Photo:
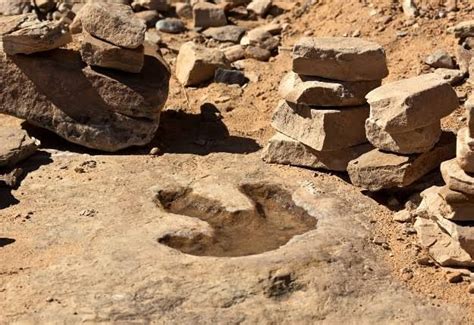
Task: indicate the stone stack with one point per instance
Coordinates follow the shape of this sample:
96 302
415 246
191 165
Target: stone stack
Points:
112 37
446 213
404 127
320 121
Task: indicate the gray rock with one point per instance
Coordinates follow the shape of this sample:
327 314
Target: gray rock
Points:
15 146
99 109
322 130
184 10
96 52
206 15
114 23
259 37
230 77
160 5
440 59
170 25
316 91
284 150
340 58
229 33
260 7
150 17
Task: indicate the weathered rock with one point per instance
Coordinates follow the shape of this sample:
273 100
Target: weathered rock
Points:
323 92
234 53
453 76
412 103
150 17
14 7
160 5
462 233
230 77
287 151
11 178
229 33
377 170
15 145
441 247
196 64
340 58
415 141
184 10
259 37
469 105
96 52
26 35
206 15
440 59
257 53
445 203
409 8
99 109
114 23
322 130
463 29
260 7
170 25
463 56
465 150
456 178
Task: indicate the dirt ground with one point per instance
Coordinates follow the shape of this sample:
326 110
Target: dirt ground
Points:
242 131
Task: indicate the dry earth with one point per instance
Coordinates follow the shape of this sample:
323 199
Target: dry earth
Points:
86 230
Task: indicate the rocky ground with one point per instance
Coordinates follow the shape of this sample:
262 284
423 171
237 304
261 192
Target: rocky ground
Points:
93 237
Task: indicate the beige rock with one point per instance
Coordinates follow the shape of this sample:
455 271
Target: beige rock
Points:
463 29
26 35
15 145
441 247
316 91
206 15
412 103
14 7
196 64
456 178
340 58
463 57
469 105
463 234
104 110
377 170
234 53
260 7
96 52
322 130
415 141
448 204
287 151
465 150
257 53
453 76
114 23
184 10
259 37
160 5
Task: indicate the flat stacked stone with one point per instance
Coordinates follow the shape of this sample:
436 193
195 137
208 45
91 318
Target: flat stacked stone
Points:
450 208
113 37
404 127
320 121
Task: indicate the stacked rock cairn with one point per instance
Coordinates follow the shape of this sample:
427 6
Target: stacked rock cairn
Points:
405 129
320 122
445 223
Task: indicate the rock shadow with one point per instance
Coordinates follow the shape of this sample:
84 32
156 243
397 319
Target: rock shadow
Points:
6 241
200 134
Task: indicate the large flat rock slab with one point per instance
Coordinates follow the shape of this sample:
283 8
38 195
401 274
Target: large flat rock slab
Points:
340 58
322 129
377 170
99 109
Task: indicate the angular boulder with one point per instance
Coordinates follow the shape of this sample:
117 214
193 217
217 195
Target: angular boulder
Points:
340 58
260 7
15 146
207 14
465 150
229 33
99 109
322 130
412 103
448 204
410 142
314 91
196 64
377 170
114 23
456 178
96 52
462 233
25 34
287 151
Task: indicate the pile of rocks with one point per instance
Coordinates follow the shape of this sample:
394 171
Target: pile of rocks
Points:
320 121
404 127
100 106
445 223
